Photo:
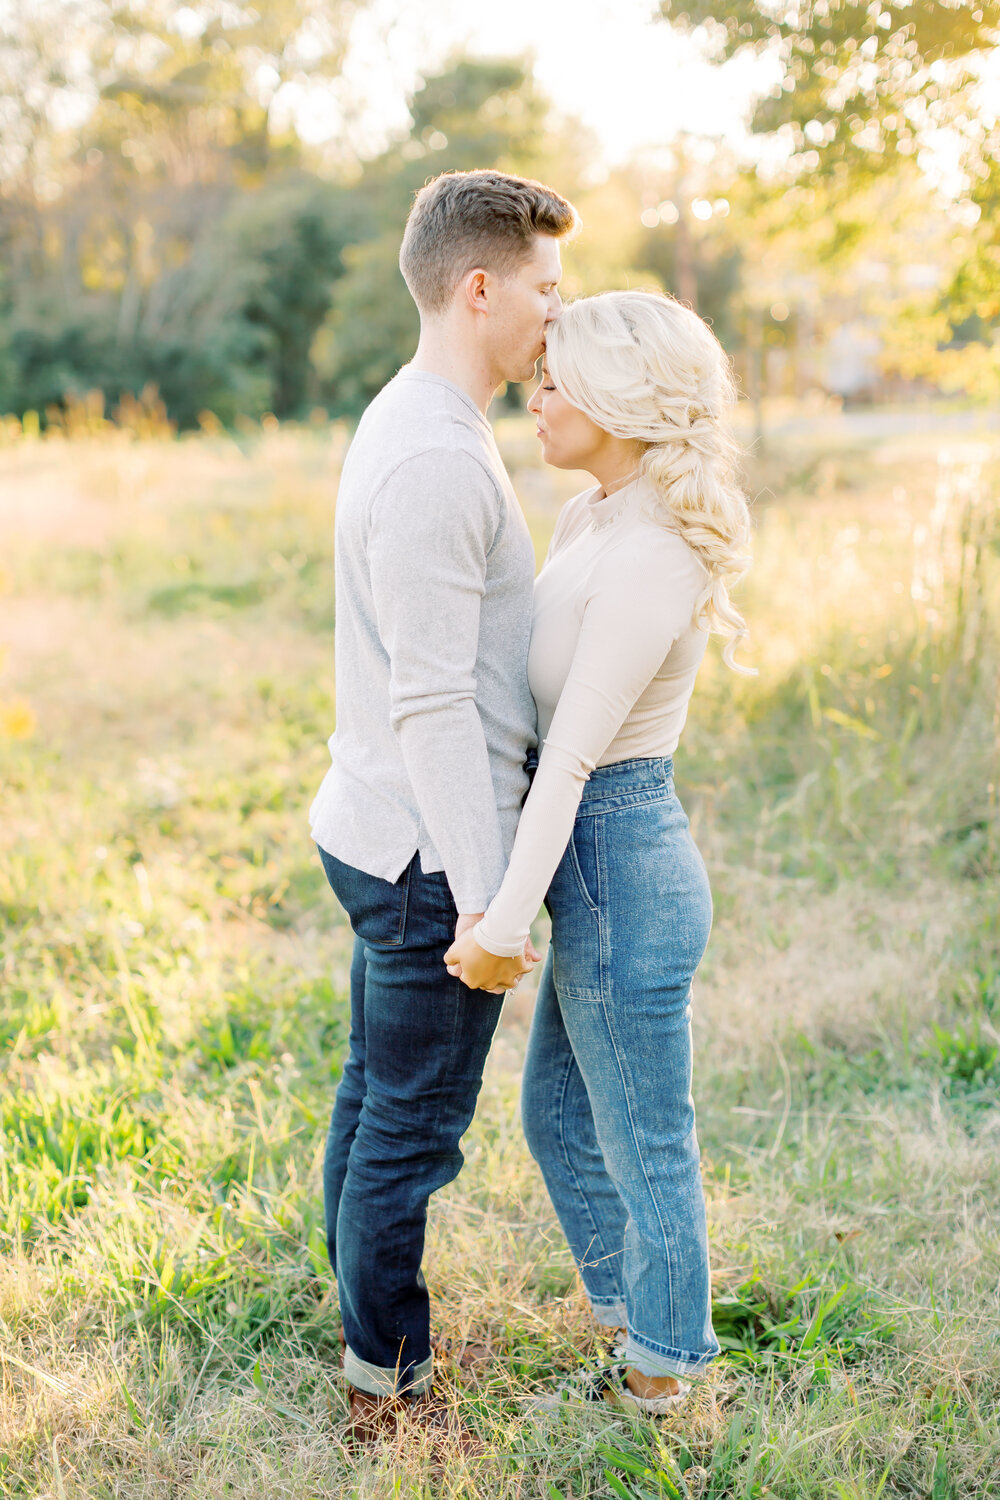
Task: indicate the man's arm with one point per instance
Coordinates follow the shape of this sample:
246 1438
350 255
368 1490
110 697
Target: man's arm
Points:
433 523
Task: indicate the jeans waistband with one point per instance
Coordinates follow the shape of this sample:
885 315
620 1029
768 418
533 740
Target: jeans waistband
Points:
627 778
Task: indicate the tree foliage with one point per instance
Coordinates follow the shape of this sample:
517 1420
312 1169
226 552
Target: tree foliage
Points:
182 92
160 224
863 86
859 78
477 113
174 237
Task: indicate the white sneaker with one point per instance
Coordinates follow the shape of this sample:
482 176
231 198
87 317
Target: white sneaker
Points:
605 1385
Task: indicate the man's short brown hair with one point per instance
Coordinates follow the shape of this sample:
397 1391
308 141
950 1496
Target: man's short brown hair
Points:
464 220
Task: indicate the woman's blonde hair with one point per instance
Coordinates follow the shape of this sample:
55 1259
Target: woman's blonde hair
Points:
643 366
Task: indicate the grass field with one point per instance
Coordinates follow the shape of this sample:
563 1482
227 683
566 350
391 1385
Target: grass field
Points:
174 1011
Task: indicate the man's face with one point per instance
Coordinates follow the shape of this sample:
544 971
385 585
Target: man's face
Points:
526 303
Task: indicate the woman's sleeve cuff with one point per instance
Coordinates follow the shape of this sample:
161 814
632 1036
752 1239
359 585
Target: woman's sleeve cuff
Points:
498 949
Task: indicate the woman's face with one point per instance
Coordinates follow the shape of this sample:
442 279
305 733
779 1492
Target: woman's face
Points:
570 440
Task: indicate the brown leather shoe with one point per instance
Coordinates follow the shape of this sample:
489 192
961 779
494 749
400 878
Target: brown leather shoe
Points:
372 1418
375 1419
447 1431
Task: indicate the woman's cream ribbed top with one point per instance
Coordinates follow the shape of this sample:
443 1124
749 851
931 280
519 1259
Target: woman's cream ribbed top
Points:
612 664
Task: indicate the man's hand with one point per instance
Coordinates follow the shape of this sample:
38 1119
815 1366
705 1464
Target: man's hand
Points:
481 970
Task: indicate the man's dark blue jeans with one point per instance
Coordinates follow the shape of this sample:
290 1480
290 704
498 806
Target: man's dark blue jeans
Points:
419 1041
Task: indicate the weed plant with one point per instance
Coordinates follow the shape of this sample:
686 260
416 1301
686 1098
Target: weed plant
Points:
174 1005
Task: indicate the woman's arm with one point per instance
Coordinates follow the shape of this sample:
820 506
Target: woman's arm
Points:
641 598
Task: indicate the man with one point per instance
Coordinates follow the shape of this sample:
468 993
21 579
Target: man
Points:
416 816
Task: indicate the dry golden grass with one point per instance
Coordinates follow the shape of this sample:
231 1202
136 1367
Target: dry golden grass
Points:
174 1004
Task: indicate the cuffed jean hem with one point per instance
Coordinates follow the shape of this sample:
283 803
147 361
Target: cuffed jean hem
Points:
608 1314
654 1359
379 1382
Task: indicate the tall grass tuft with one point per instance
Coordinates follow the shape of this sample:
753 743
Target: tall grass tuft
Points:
174 1004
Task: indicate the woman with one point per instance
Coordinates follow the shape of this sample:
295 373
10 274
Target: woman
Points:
634 390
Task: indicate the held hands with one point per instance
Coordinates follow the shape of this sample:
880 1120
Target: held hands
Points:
480 970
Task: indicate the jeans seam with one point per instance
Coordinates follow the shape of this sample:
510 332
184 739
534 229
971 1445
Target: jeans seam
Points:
603 928
456 985
595 1234
645 1172
622 801
405 907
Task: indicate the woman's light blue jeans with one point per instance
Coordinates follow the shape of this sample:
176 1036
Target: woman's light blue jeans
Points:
606 1100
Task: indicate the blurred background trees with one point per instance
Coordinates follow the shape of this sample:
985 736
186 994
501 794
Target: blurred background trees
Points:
162 224
864 90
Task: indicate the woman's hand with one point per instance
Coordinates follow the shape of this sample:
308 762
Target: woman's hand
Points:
486 971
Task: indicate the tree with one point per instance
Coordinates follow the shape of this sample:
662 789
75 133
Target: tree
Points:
863 84
291 240
173 237
372 327
483 112
182 87
477 113
860 78
950 336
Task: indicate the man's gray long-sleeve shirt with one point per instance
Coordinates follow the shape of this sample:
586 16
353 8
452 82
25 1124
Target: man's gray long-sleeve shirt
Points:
434 574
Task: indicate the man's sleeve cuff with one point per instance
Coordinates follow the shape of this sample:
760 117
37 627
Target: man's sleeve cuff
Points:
472 906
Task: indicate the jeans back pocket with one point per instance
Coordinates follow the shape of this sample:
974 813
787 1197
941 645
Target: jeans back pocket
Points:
375 908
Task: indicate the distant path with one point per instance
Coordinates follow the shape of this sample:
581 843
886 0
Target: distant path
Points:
873 424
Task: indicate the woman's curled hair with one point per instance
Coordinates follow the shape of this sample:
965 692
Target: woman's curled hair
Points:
645 367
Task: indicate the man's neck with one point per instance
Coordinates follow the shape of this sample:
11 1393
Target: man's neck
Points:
440 352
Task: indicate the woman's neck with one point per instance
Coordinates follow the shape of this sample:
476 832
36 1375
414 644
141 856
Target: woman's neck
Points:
615 478
614 462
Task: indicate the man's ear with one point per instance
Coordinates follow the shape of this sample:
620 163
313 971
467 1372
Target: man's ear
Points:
475 286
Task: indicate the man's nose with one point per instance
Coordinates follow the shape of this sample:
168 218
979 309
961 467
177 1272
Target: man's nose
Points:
555 307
